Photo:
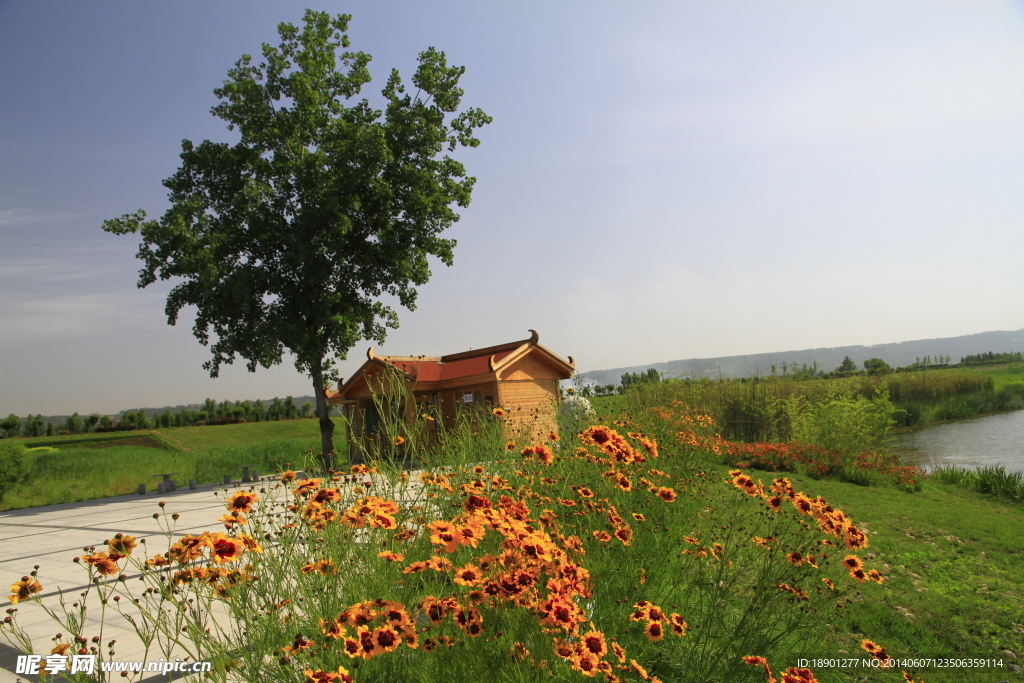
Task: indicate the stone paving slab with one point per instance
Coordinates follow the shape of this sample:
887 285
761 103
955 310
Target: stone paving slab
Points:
52 536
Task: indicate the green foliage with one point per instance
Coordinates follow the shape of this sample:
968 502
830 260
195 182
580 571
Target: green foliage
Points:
847 366
287 239
877 366
649 376
11 426
13 465
843 421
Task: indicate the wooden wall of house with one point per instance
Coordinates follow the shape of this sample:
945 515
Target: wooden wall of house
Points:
531 404
451 402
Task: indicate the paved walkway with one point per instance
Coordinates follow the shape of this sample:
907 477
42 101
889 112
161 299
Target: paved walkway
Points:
53 536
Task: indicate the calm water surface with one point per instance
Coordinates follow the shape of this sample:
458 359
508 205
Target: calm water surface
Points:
992 440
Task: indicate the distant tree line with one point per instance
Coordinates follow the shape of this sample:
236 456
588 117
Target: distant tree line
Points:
211 412
990 357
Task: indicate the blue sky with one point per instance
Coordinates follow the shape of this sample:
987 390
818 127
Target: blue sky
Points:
662 180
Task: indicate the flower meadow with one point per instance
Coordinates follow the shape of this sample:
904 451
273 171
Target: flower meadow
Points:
609 554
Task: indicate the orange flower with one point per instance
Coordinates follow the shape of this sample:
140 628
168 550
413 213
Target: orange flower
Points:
852 562
342 676
385 639
232 518
223 548
585 663
797 675
323 567
105 564
666 494
654 630
876 651
122 545
324 496
468 575
299 645
158 561
499 412
307 486
761 661
439 564
552 436
251 544
542 453
583 492
445 534
24 589
593 641
242 501
802 503
624 534
391 556
679 626
288 476
602 536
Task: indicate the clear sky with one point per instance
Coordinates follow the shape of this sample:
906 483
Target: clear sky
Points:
662 180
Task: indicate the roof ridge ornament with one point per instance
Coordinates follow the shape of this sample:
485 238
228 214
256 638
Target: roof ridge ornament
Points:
534 337
369 353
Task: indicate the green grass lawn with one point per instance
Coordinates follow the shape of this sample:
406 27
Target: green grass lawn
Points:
194 438
1007 374
87 466
954 563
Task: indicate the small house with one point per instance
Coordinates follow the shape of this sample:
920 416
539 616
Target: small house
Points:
520 377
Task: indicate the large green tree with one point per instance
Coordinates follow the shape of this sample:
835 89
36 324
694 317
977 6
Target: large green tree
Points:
287 239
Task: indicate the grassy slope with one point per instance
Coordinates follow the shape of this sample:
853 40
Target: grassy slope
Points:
954 561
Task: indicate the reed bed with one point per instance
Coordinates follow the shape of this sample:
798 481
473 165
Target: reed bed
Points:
991 479
754 409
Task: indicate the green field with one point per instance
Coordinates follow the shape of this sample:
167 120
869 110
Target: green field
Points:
1007 374
87 466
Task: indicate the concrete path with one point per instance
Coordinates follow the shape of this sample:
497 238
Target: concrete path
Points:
53 536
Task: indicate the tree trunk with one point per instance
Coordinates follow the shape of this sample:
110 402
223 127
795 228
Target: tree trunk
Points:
323 410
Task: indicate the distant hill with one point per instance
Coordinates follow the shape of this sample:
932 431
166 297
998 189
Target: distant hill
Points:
897 354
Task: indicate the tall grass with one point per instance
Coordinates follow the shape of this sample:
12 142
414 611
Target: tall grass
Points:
991 479
754 409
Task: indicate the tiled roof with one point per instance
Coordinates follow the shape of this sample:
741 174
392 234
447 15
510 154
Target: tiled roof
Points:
433 370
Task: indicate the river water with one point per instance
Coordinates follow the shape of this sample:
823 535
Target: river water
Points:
992 440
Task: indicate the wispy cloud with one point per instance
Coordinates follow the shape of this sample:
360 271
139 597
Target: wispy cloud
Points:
22 216
74 316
